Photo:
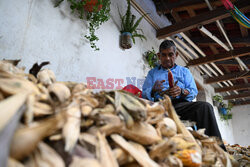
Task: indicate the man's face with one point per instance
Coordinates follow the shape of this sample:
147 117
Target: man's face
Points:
167 57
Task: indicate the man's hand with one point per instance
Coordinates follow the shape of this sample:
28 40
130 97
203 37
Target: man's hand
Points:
157 87
174 91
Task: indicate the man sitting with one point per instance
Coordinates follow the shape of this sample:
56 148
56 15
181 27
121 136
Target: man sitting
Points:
182 93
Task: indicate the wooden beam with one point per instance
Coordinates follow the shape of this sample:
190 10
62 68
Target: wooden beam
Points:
221 56
244 31
209 41
177 6
226 77
232 62
241 103
178 19
191 12
235 87
205 18
143 13
180 3
239 96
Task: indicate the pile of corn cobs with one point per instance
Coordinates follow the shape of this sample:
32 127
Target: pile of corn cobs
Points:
66 124
240 153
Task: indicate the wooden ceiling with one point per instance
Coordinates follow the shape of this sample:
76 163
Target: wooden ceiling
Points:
186 16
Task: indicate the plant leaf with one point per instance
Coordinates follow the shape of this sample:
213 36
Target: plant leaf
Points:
132 22
137 23
140 36
128 15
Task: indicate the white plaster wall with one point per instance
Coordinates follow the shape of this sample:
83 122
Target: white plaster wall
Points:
35 31
241 124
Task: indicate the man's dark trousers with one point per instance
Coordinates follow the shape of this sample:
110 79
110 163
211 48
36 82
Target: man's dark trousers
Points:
200 112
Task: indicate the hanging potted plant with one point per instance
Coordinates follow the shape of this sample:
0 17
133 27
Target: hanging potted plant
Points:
226 116
151 58
97 12
217 100
129 28
223 109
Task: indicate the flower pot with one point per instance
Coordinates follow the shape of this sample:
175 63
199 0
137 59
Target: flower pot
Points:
216 103
223 111
126 40
90 5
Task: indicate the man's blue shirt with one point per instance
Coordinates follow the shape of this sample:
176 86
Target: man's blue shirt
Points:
181 74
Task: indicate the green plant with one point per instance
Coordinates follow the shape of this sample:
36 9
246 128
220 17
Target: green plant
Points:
130 25
151 58
229 106
226 116
95 18
218 98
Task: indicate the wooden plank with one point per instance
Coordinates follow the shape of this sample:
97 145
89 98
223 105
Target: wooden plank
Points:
221 56
205 18
178 19
214 49
143 13
232 62
244 31
241 103
235 87
181 5
166 7
226 77
209 41
191 12
239 96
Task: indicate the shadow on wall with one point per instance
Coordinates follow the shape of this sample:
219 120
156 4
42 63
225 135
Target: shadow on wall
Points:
66 13
201 96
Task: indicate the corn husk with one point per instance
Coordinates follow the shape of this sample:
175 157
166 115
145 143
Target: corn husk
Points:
46 77
180 127
29 113
122 156
71 129
96 129
14 163
8 67
141 159
162 150
142 133
45 156
59 92
10 106
105 153
84 162
25 139
42 109
11 86
86 110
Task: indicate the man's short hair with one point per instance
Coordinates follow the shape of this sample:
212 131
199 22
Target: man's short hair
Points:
167 44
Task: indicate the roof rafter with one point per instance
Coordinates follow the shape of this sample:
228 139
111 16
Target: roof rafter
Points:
241 103
209 41
181 5
205 18
168 6
221 56
239 96
226 77
235 87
